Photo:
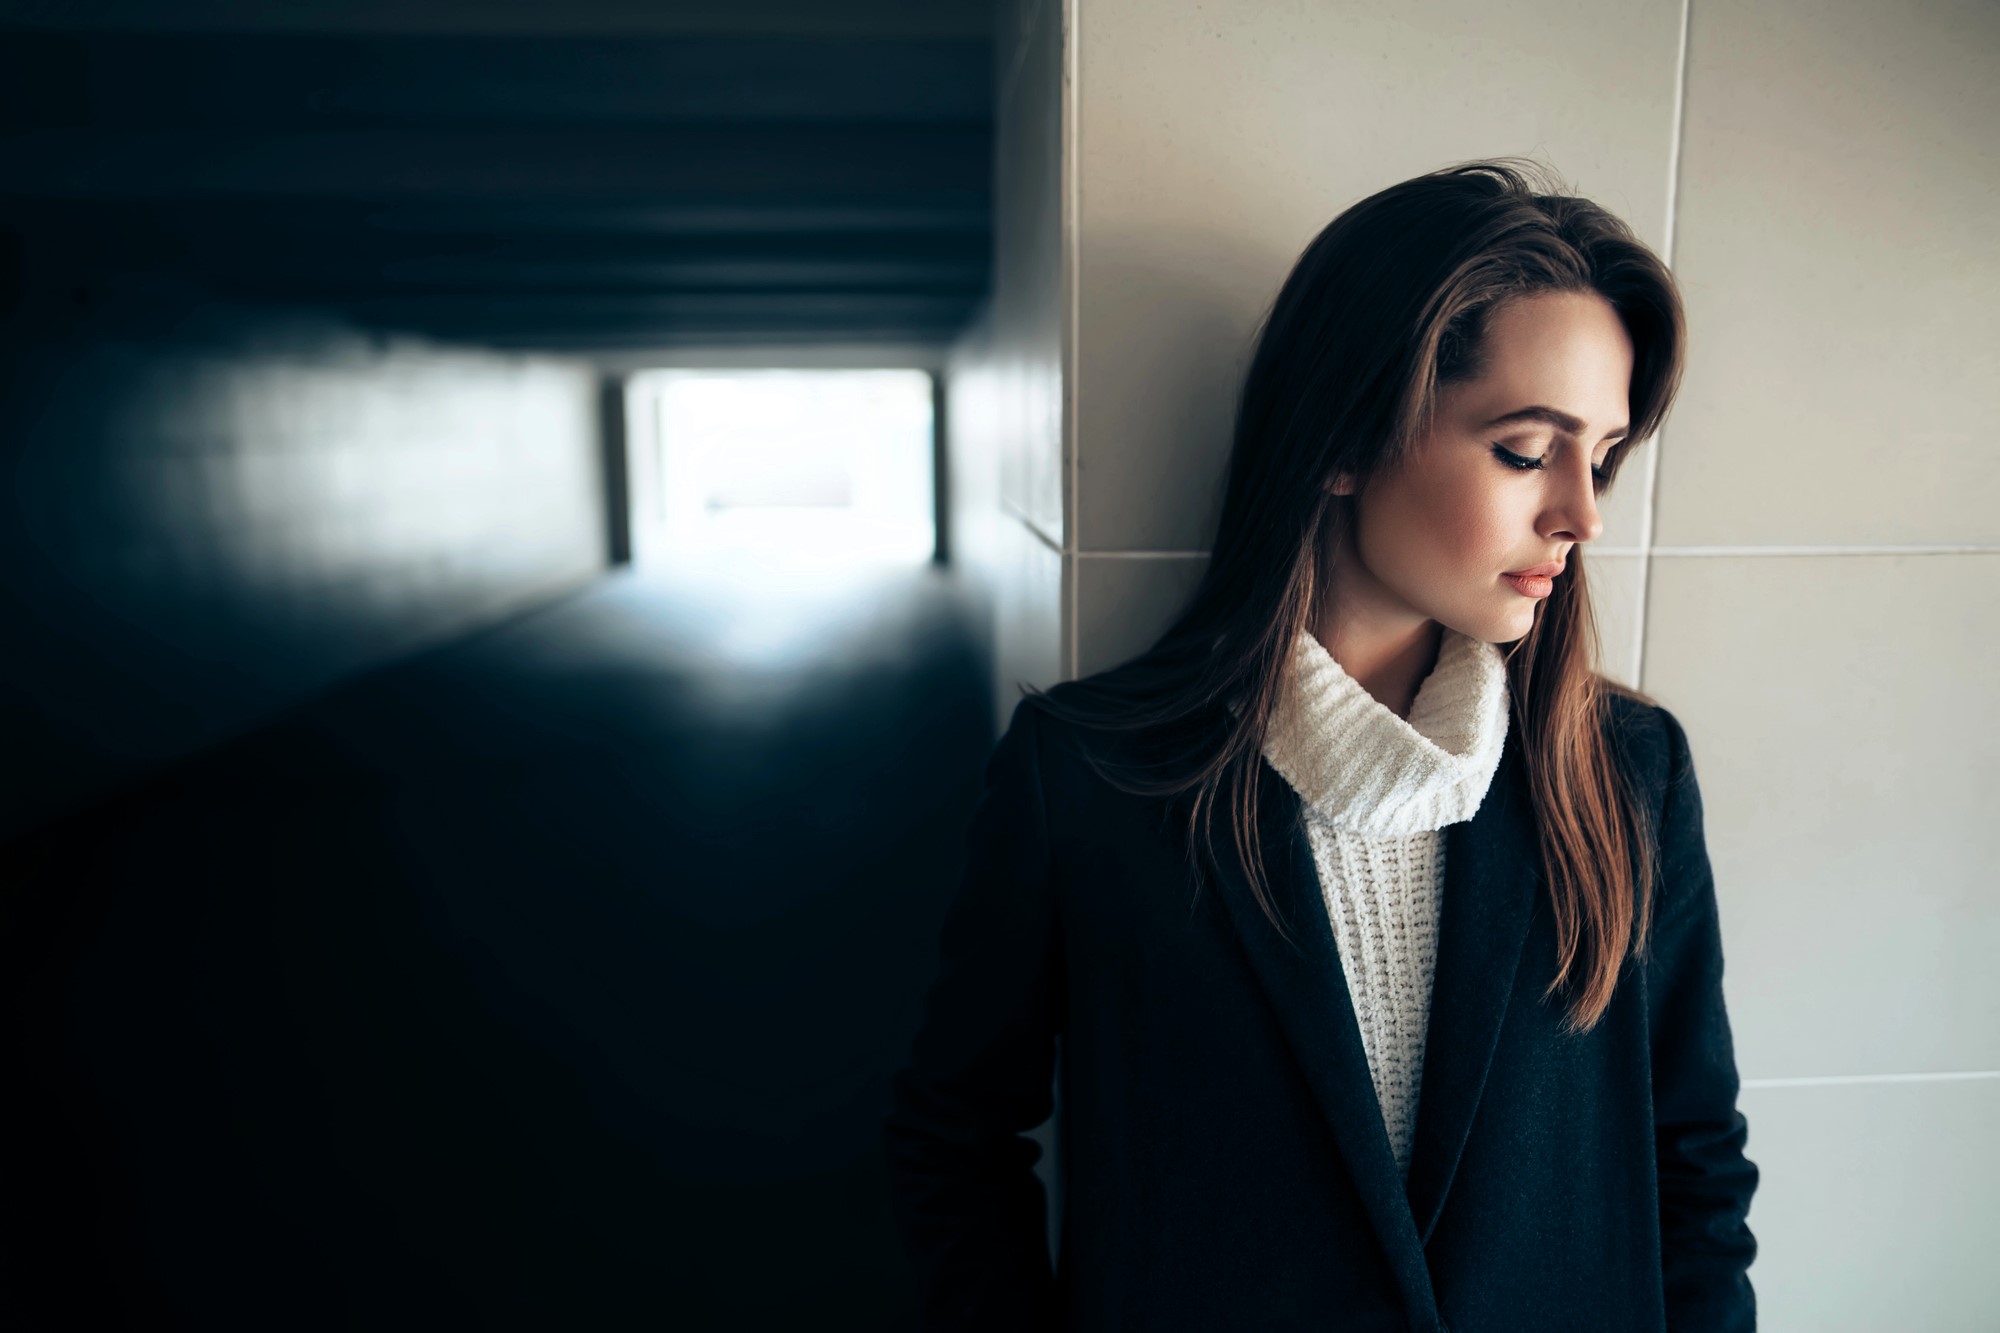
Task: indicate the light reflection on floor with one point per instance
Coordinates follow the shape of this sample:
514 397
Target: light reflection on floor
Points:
774 590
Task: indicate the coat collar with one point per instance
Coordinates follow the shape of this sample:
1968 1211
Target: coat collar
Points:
1492 870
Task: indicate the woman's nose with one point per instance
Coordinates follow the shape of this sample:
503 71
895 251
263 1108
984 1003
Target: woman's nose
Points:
1580 519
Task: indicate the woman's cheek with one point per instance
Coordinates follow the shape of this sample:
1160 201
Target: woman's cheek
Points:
1480 538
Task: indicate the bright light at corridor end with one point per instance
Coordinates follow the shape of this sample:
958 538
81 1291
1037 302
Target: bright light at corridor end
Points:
809 470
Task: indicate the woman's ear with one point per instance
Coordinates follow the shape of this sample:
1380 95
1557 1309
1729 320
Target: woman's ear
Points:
1341 483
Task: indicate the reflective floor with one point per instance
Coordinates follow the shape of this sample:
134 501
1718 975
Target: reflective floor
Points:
552 980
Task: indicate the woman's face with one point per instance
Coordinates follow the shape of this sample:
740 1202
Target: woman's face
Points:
1434 539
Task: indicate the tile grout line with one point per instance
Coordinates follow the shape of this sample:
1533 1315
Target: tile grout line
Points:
1842 1080
1649 523
1069 217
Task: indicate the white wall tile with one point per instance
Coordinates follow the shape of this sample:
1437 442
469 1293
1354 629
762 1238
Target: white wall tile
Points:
1617 591
1846 733
1839 190
1876 1206
1125 602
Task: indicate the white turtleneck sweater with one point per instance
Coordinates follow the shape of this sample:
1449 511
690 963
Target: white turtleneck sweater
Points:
1378 792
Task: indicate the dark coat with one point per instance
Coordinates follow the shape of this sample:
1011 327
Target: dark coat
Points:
1225 1164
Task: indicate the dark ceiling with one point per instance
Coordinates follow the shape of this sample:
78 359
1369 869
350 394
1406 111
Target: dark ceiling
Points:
587 191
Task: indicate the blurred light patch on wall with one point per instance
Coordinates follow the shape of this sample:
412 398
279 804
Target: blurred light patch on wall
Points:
833 467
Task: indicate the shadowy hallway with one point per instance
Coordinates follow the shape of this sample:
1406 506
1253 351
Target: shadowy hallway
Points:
550 979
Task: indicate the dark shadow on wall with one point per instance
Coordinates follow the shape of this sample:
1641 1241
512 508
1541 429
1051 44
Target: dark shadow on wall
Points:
214 512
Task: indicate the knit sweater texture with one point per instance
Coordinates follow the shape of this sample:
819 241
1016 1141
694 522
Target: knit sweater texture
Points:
1377 793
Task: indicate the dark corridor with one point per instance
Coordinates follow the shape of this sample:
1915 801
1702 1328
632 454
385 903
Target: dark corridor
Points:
551 980
411 917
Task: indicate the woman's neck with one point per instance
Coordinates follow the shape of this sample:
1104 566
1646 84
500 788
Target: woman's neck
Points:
1389 663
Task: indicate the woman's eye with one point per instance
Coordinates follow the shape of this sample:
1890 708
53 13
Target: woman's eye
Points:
1522 463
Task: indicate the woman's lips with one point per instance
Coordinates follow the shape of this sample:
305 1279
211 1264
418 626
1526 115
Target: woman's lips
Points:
1530 587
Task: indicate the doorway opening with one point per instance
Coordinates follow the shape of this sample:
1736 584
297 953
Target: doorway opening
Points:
831 468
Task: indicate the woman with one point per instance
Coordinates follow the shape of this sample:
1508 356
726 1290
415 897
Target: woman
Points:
1428 1031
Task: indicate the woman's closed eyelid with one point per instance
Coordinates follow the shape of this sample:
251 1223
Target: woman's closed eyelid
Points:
1530 463
1536 443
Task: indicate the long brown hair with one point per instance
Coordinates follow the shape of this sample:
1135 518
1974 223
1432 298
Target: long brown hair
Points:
1386 307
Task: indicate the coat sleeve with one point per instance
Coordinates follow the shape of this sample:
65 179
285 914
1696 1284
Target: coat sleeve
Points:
1705 1179
972 1213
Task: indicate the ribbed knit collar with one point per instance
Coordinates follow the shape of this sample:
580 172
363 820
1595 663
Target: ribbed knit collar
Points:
1363 768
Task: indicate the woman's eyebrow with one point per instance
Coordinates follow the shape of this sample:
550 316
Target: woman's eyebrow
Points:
1561 420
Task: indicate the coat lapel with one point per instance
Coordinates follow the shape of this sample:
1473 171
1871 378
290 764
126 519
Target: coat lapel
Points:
1491 871
1308 991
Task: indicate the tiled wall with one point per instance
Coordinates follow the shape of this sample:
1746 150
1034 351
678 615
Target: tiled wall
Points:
1823 612
209 519
1005 381
1213 142
1805 565
1005 404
